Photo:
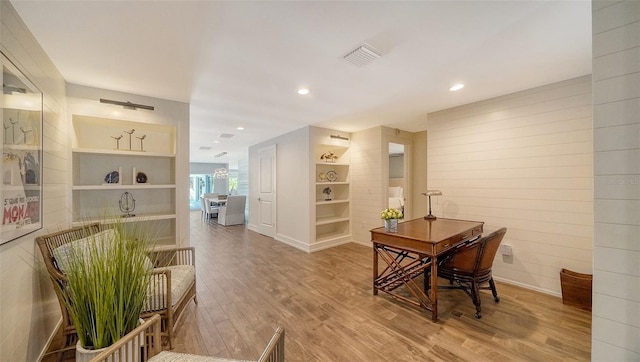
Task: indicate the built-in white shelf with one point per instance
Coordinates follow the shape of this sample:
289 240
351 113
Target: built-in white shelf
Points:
330 220
137 218
330 202
95 155
121 187
330 236
123 152
332 217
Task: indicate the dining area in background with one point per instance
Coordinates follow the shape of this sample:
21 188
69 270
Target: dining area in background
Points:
227 209
210 204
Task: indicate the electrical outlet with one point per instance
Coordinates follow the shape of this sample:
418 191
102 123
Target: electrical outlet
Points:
505 249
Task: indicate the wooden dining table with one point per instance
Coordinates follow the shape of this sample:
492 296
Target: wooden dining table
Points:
407 253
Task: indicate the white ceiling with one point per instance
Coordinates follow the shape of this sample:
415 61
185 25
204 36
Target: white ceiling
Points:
241 63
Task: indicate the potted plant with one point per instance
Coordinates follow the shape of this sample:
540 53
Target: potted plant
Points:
107 278
390 217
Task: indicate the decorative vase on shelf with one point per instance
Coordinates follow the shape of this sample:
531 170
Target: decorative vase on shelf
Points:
391 225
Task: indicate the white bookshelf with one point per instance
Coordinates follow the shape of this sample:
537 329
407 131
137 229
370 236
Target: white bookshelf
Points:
96 153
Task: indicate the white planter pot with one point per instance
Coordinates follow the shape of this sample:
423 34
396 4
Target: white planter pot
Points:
85 355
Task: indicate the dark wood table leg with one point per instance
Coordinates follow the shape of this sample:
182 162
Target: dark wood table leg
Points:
375 268
434 288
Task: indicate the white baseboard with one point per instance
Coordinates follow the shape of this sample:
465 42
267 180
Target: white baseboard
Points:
293 242
364 243
252 227
527 286
310 248
328 244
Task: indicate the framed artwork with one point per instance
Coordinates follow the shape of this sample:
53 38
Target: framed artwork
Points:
21 168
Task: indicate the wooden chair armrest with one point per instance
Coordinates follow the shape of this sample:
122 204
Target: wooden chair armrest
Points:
274 352
173 256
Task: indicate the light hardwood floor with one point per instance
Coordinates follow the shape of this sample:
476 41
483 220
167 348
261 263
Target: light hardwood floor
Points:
248 284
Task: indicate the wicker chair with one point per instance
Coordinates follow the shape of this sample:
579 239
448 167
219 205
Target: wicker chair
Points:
140 346
469 266
168 295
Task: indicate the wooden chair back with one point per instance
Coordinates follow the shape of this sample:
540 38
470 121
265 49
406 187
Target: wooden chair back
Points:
476 257
47 244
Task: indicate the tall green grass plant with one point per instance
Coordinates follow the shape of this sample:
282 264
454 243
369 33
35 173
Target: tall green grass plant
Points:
107 284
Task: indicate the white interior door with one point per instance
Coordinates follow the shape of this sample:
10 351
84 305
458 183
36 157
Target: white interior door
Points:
267 191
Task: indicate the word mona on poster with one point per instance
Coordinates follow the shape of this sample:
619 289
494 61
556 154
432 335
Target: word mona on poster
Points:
19 209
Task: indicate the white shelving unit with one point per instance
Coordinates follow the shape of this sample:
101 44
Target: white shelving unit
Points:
332 214
95 154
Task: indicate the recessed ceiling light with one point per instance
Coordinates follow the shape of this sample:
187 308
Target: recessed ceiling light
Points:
216 141
303 91
456 87
240 128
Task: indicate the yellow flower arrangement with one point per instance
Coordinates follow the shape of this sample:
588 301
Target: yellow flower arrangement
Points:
390 213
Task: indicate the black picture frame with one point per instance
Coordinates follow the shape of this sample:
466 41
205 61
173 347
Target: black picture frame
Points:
21 183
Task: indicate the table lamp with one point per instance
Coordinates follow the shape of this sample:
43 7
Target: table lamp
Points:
430 193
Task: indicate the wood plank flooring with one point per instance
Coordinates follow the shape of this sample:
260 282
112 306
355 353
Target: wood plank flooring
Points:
248 284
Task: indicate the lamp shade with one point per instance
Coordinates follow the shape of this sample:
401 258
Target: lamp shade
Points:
432 193
428 194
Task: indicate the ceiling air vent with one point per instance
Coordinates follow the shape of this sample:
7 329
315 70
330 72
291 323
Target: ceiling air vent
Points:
362 55
220 154
205 148
225 135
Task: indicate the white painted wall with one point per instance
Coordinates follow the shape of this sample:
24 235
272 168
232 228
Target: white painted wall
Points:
29 310
292 187
370 176
523 161
419 175
83 100
368 196
616 90
394 135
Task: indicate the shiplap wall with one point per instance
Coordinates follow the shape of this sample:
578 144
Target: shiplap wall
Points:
616 89
367 195
522 161
29 311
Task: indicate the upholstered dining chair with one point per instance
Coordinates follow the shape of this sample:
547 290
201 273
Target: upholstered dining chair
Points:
232 213
210 210
203 207
469 266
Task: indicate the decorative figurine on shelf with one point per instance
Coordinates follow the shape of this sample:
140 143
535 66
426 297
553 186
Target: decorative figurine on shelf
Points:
141 138
5 133
13 129
24 134
130 132
141 178
329 157
118 138
327 193
127 204
112 177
